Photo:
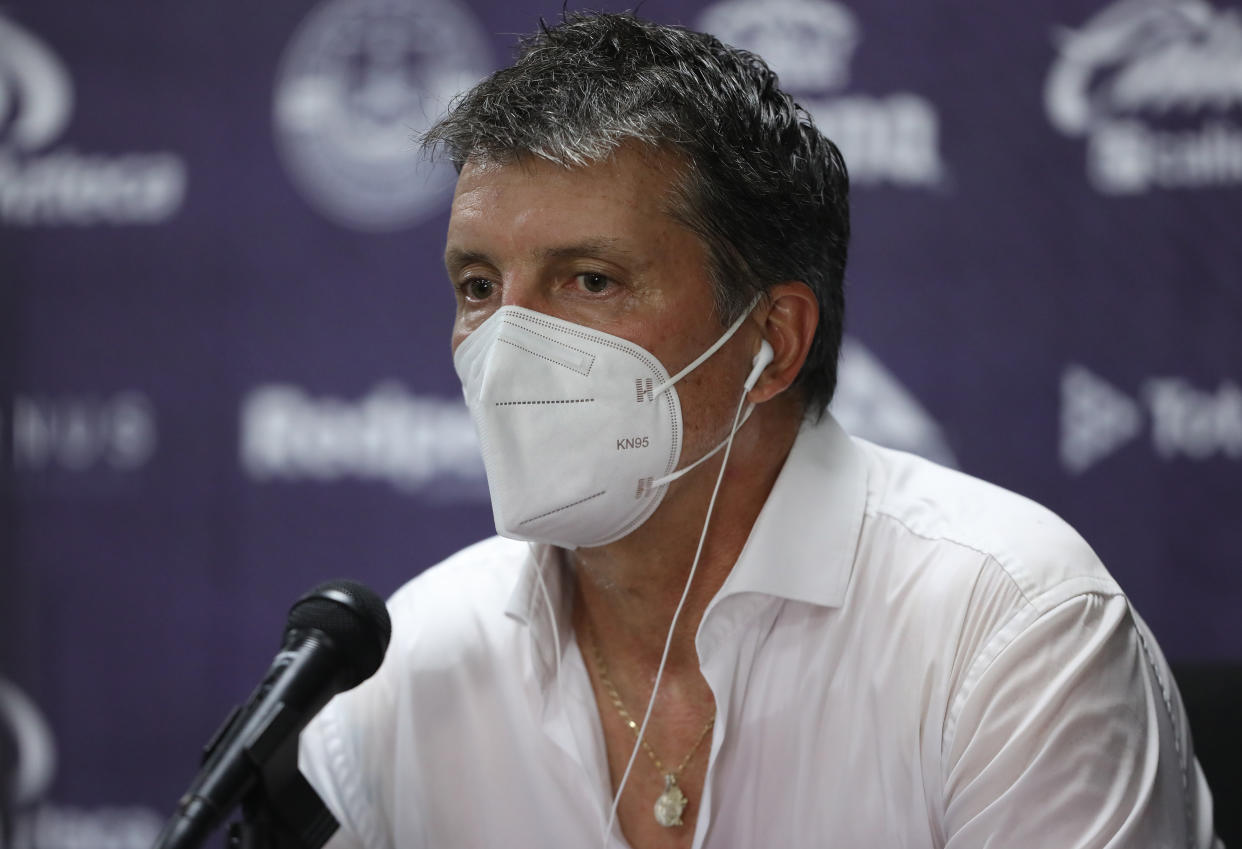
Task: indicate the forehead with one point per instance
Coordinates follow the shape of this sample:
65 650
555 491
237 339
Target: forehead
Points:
635 183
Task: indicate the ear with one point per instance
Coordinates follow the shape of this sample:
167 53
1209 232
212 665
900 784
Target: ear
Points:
787 324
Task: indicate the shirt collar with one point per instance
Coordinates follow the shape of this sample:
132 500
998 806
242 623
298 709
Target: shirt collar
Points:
803 543
549 628
801 547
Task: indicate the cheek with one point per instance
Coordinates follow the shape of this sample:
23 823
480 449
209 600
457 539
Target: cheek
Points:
710 395
465 323
703 409
462 328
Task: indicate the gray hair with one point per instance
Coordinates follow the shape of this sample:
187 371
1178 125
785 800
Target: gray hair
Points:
763 188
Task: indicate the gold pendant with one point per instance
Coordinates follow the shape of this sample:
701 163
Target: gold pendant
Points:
672 802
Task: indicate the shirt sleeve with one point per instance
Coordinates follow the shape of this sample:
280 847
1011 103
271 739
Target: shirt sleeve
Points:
1070 733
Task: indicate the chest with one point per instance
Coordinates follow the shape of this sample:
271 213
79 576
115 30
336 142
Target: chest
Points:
846 755
661 798
773 787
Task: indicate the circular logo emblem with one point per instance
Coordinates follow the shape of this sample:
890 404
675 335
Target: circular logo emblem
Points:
27 750
359 82
809 43
36 93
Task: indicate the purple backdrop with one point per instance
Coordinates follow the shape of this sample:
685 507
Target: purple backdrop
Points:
224 370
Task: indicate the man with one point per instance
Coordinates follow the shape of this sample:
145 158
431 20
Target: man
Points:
719 621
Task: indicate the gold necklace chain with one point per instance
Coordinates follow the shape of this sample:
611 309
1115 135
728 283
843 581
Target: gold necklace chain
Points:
672 802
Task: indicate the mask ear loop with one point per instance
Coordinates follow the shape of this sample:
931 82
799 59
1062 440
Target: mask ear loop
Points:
759 363
668 640
715 346
672 476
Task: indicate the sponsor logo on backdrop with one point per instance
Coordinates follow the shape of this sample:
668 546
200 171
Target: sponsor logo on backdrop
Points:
27 819
47 183
871 403
28 772
415 443
82 433
359 81
1183 421
891 139
428 445
1154 88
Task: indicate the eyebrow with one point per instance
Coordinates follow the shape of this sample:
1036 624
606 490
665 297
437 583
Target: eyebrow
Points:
604 246
456 258
590 247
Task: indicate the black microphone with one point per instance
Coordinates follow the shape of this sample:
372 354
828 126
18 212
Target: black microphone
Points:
334 640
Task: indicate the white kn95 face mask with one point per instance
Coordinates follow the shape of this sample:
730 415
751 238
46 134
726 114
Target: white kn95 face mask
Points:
580 430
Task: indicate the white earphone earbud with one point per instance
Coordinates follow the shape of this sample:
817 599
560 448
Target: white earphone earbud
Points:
761 361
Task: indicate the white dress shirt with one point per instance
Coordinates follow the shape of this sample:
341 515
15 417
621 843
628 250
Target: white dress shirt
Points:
903 656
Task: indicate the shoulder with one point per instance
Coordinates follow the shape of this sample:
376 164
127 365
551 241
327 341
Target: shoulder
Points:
488 569
455 655
454 604
959 519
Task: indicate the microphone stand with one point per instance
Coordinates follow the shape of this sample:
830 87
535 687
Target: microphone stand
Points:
282 810
335 638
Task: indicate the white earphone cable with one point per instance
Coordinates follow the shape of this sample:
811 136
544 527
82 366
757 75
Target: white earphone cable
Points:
668 640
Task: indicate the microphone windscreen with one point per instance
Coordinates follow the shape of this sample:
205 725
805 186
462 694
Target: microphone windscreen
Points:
353 617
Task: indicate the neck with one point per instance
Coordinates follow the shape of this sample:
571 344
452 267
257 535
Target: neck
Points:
629 590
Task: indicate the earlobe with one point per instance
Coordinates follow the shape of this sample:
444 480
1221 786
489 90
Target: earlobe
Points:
788 327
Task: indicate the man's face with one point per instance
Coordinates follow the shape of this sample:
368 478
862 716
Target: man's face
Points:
597 246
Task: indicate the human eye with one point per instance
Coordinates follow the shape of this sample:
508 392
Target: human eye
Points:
593 282
474 288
